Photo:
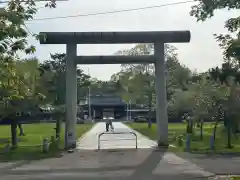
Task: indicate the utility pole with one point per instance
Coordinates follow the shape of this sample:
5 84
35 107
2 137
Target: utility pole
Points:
127 111
130 113
89 101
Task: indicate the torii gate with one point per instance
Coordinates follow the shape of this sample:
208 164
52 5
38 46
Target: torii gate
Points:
71 39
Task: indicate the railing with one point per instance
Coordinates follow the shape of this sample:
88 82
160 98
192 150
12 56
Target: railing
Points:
133 133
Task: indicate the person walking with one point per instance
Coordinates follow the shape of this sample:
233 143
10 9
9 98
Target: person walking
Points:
105 119
107 126
110 123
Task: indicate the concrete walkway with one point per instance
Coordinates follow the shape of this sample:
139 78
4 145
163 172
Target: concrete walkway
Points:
142 164
113 141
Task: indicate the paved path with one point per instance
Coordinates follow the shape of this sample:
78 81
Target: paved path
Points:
113 141
139 164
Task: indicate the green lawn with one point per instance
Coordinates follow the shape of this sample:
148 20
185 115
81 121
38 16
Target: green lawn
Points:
235 178
197 145
35 133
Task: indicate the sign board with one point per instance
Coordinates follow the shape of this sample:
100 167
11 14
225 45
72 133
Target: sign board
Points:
71 141
70 134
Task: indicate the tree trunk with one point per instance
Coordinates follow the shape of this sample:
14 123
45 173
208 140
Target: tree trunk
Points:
14 133
201 130
150 111
58 128
225 122
215 130
229 132
189 125
20 127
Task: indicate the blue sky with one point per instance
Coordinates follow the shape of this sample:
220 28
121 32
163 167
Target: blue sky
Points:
200 54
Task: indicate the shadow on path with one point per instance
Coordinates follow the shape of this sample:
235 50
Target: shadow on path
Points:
144 170
220 164
90 165
14 165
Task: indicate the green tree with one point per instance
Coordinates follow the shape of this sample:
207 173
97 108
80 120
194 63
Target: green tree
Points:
229 42
227 78
13 31
13 38
14 91
29 75
142 75
53 77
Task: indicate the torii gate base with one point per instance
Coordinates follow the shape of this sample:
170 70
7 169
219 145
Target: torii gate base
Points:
71 39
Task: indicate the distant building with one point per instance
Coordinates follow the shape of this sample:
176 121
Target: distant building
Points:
101 103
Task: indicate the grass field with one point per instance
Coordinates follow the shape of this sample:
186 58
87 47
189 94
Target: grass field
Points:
236 178
34 134
197 145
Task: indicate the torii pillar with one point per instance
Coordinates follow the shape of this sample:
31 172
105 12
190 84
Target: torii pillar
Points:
71 39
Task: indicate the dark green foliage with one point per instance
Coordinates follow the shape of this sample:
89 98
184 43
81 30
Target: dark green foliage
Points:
53 72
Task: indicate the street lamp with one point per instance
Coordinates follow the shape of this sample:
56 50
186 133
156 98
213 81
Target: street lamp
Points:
130 109
89 100
127 112
129 115
89 103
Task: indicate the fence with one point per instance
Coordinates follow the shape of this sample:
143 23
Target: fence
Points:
115 133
